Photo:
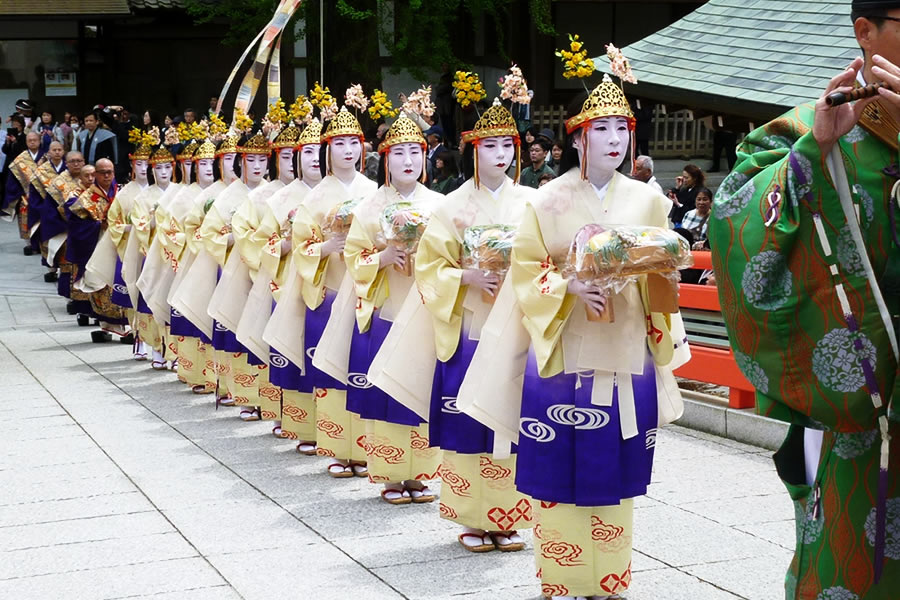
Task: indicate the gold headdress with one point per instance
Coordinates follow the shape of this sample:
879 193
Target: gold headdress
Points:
312 134
345 123
258 144
161 155
205 150
496 121
287 138
141 153
607 100
403 131
187 152
228 146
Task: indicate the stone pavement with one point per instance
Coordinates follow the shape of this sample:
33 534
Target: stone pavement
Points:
117 482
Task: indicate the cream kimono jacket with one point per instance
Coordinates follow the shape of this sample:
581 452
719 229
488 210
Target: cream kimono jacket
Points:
251 239
183 242
193 295
157 271
101 268
141 219
241 265
534 309
319 272
284 329
431 319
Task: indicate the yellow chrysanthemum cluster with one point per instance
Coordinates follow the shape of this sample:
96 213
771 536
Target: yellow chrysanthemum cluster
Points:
468 88
277 113
199 130
381 106
217 126
300 108
242 123
320 96
135 136
184 132
575 60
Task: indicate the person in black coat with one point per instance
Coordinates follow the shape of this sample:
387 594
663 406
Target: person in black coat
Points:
684 194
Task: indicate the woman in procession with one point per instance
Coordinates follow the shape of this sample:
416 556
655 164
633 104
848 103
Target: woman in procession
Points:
462 259
298 406
380 255
318 237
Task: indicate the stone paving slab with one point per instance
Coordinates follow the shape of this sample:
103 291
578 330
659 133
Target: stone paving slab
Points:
117 482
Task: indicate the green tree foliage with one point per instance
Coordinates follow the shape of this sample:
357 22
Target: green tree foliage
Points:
419 34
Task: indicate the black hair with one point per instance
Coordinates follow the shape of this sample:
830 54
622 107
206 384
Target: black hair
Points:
707 191
323 156
18 118
468 161
569 159
876 15
273 163
544 143
155 120
381 179
449 161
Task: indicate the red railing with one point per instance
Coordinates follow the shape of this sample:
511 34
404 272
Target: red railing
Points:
713 365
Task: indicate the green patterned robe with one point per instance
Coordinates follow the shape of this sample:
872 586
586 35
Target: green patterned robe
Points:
792 341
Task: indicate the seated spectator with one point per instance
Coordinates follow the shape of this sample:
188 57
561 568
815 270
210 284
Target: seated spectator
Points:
696 220
643 171
538 151
685 191
446 174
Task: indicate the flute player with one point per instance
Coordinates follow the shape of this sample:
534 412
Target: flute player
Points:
806 249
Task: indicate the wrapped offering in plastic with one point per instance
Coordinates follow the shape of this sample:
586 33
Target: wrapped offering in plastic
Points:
338 220
403 225
611 257
489 248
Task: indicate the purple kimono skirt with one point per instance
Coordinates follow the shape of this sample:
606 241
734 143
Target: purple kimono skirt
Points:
314 326
448 427
363 398
283 372
120 295
571 451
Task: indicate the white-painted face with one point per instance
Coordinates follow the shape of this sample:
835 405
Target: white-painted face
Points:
204 168
607 140
228 165
186 166
255 166
405 163
140 171
345 152
162 172
495 154
309 163
286 162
